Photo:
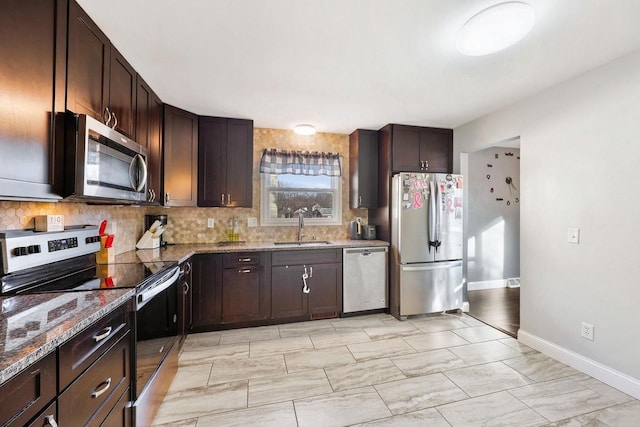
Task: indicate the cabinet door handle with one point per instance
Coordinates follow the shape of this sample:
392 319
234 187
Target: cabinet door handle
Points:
167 197
186 288
310 272
50 421
359 200
426 164
108 114
187 268
222 200
244 259
103 335
99 391
153 192
228 199
246 270
115 121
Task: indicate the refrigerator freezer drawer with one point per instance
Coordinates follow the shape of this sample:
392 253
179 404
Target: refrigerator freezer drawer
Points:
364 278
430 288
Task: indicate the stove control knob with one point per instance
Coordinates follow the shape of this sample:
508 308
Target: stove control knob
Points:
20 251
34 249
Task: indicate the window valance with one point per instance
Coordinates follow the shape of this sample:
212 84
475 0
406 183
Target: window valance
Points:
300 163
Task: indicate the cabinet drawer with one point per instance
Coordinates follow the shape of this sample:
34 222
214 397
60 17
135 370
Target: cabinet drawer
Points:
239 259
314 256
120 415
47 418
22 397
78 353
96 391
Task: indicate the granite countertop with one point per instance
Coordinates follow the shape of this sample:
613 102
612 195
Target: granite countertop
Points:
182 252
32 326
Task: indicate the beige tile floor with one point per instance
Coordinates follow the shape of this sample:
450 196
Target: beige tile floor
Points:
443 370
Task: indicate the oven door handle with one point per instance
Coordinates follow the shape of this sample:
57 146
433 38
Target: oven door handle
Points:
147 295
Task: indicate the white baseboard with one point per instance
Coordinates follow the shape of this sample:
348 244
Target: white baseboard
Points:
607 375
486 284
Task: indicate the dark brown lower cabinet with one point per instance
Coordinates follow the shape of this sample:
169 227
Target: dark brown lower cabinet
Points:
323 298
92 396
206 275
325 291
253 288
47 418
24 396
120 415
85 381
287 298
244 297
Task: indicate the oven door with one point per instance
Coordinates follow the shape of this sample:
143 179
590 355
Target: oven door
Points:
156 328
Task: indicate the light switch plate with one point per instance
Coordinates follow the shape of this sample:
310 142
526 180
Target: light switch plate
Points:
573 235
211 222
252 222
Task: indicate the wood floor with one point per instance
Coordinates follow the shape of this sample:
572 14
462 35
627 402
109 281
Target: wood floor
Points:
499 308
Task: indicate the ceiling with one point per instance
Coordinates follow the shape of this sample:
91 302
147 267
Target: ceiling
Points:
347 64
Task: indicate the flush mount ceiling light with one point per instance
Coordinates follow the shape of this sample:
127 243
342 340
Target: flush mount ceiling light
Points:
304 130
495 28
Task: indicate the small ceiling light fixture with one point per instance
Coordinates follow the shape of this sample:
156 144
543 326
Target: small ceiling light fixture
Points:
304 130
495 28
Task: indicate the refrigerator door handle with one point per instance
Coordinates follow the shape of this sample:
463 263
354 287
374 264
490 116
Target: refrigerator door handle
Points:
438 210
432 223
432 266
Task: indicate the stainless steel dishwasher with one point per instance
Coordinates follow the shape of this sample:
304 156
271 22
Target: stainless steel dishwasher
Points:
364 279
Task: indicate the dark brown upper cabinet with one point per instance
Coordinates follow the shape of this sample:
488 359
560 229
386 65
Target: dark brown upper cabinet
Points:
363 169
100 82
421 149
149 120
225 163
32 82
180 157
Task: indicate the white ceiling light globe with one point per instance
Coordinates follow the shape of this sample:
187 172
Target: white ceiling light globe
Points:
495 28
304 130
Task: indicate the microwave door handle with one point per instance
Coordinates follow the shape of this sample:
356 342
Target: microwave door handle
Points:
138 186
143 167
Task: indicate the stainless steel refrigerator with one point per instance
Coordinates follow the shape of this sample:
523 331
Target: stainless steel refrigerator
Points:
426 242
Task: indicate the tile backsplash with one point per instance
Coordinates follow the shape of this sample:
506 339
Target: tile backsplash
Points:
189 225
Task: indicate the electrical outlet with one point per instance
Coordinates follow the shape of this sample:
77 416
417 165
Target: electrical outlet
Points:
573 235
211 222
252 222
586 331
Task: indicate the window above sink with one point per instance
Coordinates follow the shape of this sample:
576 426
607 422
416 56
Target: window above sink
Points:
282 195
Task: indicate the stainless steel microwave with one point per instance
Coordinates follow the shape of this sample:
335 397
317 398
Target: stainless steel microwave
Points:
101 164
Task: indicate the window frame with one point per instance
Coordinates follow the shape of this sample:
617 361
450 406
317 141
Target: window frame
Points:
265 220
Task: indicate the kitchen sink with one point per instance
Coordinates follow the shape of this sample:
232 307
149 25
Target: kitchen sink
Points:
304 242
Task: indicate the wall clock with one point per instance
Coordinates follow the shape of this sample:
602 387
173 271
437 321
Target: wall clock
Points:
501 186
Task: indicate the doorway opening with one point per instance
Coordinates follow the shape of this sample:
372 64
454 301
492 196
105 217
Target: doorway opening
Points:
492 234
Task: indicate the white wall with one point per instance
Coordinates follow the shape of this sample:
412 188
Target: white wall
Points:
492 231
580 146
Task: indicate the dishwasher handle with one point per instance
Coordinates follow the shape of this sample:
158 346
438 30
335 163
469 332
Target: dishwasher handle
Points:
367 251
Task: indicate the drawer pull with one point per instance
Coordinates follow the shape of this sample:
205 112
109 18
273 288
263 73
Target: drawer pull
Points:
244 259
244 271
50 421
103 335
105 387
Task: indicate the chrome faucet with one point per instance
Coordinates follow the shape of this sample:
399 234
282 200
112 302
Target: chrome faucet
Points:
300 213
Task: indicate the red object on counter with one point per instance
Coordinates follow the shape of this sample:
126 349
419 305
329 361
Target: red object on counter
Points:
103 227
109 241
